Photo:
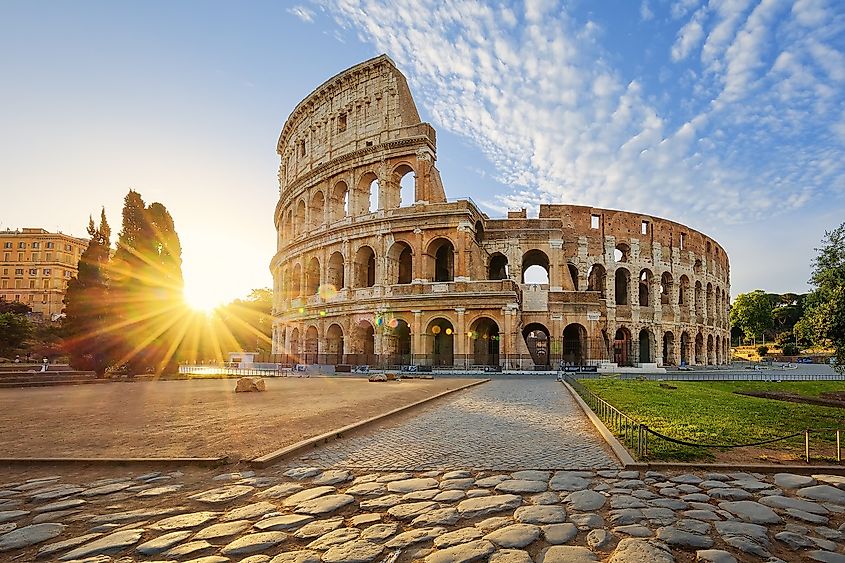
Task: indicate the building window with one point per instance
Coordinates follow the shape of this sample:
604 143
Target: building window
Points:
595 221
341 123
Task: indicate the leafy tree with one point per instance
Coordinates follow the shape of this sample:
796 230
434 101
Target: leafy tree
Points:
824 319
14 330
752 312
89 336
147 287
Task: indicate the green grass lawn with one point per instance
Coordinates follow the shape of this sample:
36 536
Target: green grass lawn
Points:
708 412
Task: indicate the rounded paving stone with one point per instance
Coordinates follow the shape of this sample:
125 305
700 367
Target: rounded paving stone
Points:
30 535
357 551
251 543
516 535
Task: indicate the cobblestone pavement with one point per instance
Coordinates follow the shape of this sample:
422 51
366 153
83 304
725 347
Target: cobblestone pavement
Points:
309 515
507 424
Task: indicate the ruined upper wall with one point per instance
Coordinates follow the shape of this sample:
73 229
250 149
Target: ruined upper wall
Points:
363 106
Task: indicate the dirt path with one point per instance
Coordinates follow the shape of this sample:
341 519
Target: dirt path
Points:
199 418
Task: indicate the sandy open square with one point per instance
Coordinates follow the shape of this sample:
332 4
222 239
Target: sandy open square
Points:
197 418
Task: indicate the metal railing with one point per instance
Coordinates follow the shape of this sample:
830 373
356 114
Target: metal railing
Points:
636 435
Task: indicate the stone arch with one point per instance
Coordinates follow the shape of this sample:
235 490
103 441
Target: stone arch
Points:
441 342
335 273
363 343
668 348
685 348
498 268
622 282
538 339
441 258
397 342
400 263
484 335
339 202
317 210
573 274
597 279
312 277
575 344
334 344
622 352
312 346
646 346
299 218
532 262
666 283
622 253
405 179
364 267
296 281
646 279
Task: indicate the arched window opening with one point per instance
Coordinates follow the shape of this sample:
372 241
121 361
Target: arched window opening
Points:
334 273
312 346
441 339
479 232
318 209
622 252
622 280
622 348
405 178
397 343
668 349
334 345
312 277
484 335
535 267
299 218
573 275
296 281
666 288
538 340
645 288
443 253
365 267
400 263
575 345
645 347
597 279
498 269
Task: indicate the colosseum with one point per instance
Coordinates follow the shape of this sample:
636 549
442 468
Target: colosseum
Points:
375 266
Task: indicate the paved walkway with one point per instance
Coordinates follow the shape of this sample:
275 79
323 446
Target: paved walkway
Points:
506 424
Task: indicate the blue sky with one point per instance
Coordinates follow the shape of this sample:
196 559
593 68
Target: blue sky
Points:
726 115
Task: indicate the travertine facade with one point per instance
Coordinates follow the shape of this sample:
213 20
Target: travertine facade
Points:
36 266
375 266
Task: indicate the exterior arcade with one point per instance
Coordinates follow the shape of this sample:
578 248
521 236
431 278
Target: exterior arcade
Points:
375 266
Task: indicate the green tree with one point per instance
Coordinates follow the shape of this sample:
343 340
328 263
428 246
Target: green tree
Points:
15 329
752 312
147 287
824 318
88 325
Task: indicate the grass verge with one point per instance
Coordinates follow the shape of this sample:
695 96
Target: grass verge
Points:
710 412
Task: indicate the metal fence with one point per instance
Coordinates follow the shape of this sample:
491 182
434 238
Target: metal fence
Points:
642 440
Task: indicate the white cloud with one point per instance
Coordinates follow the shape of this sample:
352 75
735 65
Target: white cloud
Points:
302 13
536 93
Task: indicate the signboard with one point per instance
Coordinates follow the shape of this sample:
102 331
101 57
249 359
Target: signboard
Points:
593 315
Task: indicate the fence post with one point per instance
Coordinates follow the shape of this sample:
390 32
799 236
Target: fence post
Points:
807 445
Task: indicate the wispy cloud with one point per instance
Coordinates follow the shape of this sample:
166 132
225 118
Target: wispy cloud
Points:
535 90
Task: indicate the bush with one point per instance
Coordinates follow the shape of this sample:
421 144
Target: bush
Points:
791 349
762 350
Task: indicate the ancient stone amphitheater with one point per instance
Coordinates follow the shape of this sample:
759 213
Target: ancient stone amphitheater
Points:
375 266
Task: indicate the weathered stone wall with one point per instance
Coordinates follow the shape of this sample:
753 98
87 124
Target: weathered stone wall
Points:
431 281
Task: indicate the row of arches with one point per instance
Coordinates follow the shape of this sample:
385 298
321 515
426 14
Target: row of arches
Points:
367 195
